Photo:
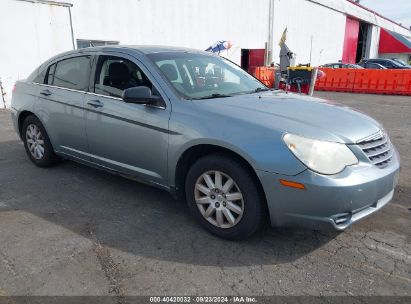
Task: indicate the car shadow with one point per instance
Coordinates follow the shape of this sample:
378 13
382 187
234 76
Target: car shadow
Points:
135 218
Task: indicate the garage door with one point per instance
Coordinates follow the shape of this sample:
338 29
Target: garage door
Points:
350 40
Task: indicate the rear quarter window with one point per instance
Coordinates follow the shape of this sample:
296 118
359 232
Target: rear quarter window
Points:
40 75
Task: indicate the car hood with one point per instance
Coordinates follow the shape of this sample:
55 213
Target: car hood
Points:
298 114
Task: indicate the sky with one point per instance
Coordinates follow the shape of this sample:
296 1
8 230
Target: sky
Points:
397 10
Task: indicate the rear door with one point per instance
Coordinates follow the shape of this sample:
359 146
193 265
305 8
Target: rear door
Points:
62 100
126 137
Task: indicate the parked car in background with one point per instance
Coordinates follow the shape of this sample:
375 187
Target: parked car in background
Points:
372 65
200 127
387 63
340 65
401 62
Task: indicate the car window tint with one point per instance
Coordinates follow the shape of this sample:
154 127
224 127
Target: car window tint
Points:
72 73
115 74
40 77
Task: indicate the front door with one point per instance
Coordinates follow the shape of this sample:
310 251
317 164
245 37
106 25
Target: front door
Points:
126 137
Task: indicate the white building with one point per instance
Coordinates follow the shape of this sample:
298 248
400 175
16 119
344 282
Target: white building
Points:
318 31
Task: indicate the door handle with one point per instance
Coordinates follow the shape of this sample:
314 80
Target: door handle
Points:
95 103
46 93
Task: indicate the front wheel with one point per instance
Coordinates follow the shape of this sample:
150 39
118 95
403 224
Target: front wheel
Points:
224 197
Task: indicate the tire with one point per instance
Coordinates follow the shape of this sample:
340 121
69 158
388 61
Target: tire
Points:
251 201
31 127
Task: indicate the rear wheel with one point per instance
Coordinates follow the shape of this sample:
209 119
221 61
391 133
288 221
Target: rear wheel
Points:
37 143
224 198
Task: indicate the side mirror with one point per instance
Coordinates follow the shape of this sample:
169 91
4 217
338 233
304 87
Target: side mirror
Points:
139 95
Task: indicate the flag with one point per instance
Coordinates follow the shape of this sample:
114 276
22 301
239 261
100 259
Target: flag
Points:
219 46
283 37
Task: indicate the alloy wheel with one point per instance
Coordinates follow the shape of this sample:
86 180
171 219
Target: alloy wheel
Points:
219 199
35 141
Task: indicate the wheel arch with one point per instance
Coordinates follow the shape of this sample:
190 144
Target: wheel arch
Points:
191 154
21 118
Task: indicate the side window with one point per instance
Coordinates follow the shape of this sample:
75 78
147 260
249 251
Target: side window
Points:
388 65
371 65
384 63
72 73
115 74
40 77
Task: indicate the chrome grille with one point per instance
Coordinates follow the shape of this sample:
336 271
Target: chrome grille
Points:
377 148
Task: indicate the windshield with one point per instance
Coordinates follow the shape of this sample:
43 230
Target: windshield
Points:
200 76
400 62
355 66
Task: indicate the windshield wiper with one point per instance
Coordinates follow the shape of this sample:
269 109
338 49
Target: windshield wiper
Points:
215 95
218 95
260 89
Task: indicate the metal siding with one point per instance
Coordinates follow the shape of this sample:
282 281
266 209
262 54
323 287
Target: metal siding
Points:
186 23
306 22
32 33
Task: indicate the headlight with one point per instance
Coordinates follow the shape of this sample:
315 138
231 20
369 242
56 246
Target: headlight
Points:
321 156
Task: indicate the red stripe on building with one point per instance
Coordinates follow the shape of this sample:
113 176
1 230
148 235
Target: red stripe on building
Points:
389 43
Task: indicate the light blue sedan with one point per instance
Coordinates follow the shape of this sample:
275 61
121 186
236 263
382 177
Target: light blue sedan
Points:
198 126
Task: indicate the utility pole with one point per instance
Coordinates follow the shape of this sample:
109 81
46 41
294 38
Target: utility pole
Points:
270 39
71 27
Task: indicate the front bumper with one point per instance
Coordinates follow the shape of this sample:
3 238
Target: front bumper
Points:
334 200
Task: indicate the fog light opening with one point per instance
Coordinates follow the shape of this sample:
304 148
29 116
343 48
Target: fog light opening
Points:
342 218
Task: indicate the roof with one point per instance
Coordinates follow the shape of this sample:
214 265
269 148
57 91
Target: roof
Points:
391 42
51 2
142 49
377 14
360 12
150 49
